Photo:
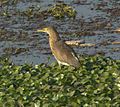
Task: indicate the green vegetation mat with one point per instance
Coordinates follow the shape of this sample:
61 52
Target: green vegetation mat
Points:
95 83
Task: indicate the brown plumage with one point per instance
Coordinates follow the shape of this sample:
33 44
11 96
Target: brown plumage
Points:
62 52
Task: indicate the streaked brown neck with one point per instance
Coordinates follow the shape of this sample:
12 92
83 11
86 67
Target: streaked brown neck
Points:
54 36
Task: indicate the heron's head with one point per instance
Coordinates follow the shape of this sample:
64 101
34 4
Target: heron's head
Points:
51 31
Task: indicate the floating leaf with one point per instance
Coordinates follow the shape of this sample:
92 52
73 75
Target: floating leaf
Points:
95 82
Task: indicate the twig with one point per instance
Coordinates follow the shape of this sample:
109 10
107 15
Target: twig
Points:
117 30
77 42
115 43
87 44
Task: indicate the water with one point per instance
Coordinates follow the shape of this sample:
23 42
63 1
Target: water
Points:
17 31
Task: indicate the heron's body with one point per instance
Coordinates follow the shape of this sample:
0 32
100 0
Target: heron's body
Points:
62 52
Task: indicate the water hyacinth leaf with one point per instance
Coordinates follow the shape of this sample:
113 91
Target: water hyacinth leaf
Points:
27 75
105 74
1 94
48 85
20 90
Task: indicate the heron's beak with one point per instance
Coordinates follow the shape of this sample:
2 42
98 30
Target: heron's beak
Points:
40 30
43 30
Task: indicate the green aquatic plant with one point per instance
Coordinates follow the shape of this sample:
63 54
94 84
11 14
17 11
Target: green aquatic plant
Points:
60 11
95 83
30 12
6 13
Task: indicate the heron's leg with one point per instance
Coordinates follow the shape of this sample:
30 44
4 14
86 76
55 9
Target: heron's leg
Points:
59 65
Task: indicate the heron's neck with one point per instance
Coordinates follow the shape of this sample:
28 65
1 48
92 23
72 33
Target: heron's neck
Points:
54 36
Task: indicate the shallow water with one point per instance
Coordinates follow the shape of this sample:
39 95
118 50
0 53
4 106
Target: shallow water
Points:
18 32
